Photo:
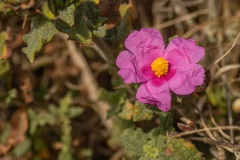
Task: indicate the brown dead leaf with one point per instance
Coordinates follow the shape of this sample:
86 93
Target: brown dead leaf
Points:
19 126
110 9
19 123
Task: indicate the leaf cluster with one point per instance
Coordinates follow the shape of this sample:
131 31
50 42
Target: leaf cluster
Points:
80 20
154 145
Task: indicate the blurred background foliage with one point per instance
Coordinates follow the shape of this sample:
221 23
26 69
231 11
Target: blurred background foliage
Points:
61 97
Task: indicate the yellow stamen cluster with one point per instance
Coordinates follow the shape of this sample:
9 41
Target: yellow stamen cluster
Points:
160 67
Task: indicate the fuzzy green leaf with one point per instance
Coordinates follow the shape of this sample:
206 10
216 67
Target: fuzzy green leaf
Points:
144 146
42 31
154 147
100 31
166 122
90 11
47 11
95 22
80 32
133 141
143 111
67 14
178 147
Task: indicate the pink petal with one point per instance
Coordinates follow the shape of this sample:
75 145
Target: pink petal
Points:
144 40
183 51
144 63
155 92
127 62
183 79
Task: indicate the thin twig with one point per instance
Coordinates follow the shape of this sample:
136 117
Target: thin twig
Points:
206 128
99 51
88 81
205 23
230 117
229 109
214 122
181 19
225 69
234 43
203 130
218 143
205 125
104 51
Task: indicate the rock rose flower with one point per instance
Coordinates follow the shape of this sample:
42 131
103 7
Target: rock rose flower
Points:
160 70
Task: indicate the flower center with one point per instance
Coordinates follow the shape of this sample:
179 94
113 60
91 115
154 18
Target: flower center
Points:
160 67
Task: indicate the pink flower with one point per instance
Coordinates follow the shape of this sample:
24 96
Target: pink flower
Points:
159 70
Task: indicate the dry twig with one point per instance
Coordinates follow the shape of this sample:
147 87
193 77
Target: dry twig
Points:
180 19
88 81
234 43
203 130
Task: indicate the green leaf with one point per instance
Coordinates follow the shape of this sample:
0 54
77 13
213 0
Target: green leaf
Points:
154 147
80 32
150 151
10 95
166 122
133 141
178 147
75 111
67 14
3 46
143 111
22 148
90 11
65 104
4 66
95 22
42 31
100 31
40 119
47 11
